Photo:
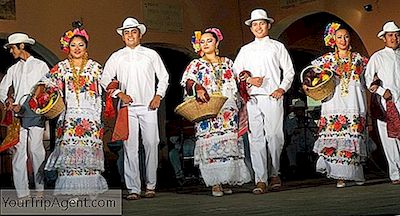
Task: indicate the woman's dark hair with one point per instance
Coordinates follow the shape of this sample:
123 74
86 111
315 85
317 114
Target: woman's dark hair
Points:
81 37
213 34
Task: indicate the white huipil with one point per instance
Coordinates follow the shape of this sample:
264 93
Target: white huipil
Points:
136 69
23 76
385 64
265 58
218 151
78 155
342 126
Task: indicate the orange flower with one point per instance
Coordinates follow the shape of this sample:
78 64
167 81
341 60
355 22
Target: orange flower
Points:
337 126
79 131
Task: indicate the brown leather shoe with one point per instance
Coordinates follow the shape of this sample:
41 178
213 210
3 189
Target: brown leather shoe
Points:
275 183
260 188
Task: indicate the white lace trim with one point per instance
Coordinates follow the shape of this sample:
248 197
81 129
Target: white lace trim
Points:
233 172
340 171
80 185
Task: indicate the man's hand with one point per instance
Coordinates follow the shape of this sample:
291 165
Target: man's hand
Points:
16 108
9 103
155 102
373 88
255 81
278 93
387 95
126 99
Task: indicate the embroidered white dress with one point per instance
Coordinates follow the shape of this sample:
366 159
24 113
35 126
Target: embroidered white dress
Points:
78 155
218 152
342 126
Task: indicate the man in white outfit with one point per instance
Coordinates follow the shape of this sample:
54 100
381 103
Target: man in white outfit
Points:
23 76
136 68
385 65
260 63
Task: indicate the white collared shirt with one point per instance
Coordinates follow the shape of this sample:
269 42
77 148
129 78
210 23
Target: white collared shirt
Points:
386 64
136 70
23 76
266 57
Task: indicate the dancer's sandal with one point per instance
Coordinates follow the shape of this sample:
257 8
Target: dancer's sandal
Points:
150 193
133 196
260 188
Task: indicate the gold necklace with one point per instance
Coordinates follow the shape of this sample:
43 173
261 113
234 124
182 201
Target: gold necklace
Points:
76 76
344 73
217 72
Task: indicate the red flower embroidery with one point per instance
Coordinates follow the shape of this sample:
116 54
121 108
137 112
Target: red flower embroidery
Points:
228 74
54 69
226 115
79 131
348 154
82 81
342 119
206 81
327 65
59 132
328 151
322 121
337 126
92 86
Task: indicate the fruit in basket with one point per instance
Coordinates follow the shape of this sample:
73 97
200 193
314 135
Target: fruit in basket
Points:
313 78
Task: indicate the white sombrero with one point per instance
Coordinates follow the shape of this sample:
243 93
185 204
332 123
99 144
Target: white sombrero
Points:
258 14
17 38
388 27
131 23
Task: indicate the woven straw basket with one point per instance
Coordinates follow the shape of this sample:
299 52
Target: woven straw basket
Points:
195 111
56 109
322 90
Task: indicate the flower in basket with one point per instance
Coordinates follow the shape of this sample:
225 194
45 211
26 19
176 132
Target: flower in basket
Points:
44 100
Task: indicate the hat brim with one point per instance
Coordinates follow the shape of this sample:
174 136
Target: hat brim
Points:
27 41
141 27
249 21
382 33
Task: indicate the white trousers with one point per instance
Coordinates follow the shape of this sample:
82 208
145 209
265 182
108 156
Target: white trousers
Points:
266 126
30 142
391 147
146 119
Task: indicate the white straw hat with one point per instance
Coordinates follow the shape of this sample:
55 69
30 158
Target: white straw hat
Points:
131 23
17 38
258 14
388 27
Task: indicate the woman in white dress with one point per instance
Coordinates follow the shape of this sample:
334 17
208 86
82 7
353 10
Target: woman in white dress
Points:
78 155
342 127
218 152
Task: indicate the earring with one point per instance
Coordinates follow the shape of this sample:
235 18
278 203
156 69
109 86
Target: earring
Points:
217 51
86 56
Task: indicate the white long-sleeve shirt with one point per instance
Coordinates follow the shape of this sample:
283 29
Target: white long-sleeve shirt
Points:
136 70
385 63
23 75
266 57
